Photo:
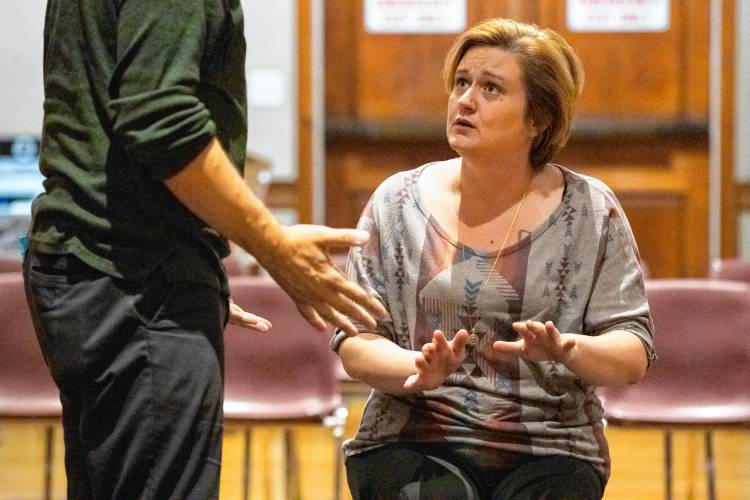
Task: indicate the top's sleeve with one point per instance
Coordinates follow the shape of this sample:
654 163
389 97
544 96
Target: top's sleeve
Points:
618 298
365 266
159 118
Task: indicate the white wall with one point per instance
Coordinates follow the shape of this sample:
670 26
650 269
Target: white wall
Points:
21 91
271 33
270 29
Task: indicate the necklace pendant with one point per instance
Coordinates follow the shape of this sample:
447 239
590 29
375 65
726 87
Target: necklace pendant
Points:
473 338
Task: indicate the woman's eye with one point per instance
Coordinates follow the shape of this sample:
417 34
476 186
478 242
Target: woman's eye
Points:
462 82
492 88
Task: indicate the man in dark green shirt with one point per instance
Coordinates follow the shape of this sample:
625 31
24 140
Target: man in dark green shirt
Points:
144 133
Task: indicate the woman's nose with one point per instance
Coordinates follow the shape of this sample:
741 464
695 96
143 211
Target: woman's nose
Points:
467 99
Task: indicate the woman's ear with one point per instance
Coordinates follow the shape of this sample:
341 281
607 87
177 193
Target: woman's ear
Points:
533 129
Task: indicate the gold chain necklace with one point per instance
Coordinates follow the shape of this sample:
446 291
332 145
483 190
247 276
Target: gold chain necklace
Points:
473 337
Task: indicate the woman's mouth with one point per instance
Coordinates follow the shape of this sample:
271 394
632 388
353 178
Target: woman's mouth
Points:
462 122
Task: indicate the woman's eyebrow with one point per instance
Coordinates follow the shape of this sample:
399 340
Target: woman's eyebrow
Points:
496 76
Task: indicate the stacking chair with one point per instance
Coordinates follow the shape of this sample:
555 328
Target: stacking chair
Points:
702 377
730 269
26 387
286 376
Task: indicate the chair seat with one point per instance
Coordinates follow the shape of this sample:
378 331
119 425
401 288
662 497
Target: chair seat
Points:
652 402
648 408
302 409
12 406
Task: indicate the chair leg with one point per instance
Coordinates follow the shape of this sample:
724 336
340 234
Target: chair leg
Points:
246 466
710 472
668 465
49 446
338 464
336 423
292 474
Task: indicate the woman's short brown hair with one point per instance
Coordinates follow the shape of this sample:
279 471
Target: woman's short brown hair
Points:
552 76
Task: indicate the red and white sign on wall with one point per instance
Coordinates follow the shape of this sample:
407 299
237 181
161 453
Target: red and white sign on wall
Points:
415 16
618 15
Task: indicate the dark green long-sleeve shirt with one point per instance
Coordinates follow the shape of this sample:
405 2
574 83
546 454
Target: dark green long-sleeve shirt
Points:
134 90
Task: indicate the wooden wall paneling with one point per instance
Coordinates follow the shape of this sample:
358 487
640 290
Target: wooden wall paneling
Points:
343 19
627 74
520 10
667 206
694 67
378 77
399 77
304 112
656 218
375 78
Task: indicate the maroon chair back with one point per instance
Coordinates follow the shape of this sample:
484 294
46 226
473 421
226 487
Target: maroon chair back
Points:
26 386
702 376
287 373
730 269
8 265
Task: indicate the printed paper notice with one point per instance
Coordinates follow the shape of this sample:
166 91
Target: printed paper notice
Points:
618 15
415 16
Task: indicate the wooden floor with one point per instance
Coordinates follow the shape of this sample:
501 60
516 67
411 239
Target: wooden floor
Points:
636 456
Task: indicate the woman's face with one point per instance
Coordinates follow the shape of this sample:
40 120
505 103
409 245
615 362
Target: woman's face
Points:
487 106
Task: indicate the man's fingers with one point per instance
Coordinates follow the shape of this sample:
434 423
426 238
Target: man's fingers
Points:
343 298
331 237
345 306
311 315
244 319
338 320
358 295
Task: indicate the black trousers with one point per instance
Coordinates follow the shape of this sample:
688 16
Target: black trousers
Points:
430 472
140 369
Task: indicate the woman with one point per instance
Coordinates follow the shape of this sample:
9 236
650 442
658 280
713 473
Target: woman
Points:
513 287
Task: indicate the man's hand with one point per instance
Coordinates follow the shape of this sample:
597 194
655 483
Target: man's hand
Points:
438 359
301 265
240 317
296 257
538 342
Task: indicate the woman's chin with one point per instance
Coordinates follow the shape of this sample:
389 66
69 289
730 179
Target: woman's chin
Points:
460 145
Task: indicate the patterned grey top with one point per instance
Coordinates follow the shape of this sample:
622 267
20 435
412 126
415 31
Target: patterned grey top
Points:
580 269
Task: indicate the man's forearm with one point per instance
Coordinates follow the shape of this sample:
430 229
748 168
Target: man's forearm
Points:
211 188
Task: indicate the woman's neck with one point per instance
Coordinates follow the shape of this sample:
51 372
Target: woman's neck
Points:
488 190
